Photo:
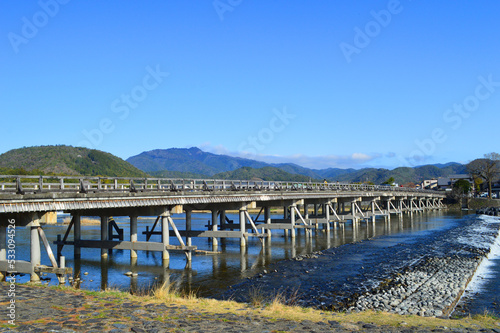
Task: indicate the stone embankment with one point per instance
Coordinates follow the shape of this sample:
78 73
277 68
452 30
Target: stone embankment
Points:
428 289
434 286
492 211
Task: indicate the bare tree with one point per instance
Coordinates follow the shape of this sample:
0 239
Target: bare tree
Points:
487 168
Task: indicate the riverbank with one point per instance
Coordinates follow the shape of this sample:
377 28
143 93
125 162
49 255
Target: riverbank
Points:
63 309
424 275
474 204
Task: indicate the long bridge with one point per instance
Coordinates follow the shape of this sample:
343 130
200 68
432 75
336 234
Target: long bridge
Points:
29 201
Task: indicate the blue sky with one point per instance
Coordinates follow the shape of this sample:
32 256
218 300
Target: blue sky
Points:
321 84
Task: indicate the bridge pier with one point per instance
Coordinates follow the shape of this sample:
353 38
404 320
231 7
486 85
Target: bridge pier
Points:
188 213
222 220
267 219
242 218
3 249
35 252
372 207
326 209
165 234
133 234
215 243
104 234
77 232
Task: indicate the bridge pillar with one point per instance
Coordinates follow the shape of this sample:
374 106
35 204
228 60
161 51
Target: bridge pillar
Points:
35 252
243 238
165 234
188 229
77 235
104 234
267 218
327 216
353 212
104 272
222 220
306 211
133 234
292 220
215 242
372 203
3 249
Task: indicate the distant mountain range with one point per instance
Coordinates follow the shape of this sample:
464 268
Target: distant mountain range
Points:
195 163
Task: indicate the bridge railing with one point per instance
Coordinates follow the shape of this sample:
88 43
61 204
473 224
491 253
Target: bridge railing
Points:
21 184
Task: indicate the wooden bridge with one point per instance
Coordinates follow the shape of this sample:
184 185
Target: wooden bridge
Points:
27 201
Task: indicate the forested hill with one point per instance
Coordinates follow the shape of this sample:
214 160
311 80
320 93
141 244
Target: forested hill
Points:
66 160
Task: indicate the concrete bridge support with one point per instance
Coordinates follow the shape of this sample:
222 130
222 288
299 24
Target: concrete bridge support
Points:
104 234
188 214
243 237
222 222
36 255
292 220
133 234
165 234
267 219
326 209
372 208
77 234
3 248
215 242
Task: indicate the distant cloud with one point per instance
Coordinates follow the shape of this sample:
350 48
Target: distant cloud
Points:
355 160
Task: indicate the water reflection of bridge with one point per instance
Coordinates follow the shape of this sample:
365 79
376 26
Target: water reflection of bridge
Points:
26 201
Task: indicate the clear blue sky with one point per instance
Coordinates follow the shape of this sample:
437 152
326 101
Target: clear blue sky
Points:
322 84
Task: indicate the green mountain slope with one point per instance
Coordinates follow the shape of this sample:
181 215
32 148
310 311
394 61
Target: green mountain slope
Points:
66 160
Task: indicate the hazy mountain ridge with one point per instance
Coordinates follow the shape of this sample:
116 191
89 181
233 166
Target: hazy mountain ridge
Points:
195 162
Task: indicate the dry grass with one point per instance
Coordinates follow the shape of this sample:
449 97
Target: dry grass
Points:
169 291
276 309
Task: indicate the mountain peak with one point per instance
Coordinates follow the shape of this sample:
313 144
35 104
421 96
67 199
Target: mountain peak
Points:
195 150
